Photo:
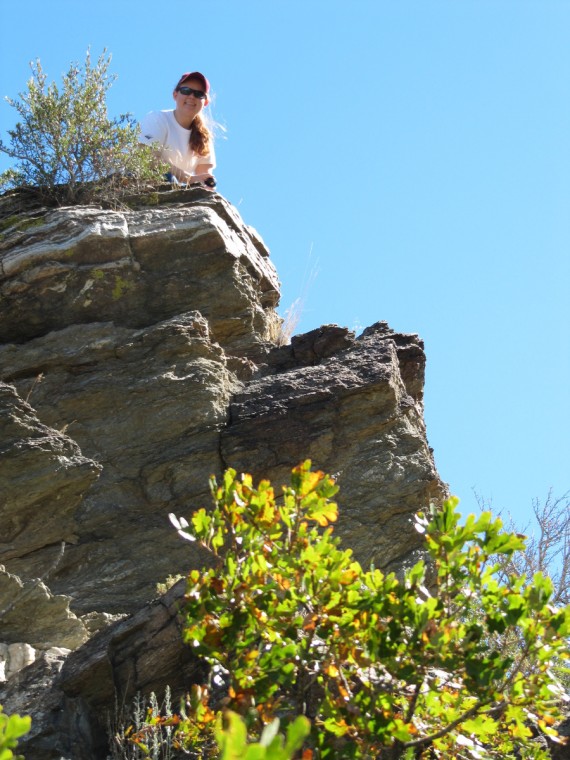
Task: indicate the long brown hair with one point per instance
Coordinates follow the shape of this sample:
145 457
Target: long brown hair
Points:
200 136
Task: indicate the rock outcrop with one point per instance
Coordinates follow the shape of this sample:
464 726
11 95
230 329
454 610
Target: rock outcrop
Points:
73 696
139 353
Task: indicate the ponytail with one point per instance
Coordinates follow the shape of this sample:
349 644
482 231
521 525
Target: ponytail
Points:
200 136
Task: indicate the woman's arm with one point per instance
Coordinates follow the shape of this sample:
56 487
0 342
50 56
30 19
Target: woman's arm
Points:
205 166
202 173
181 175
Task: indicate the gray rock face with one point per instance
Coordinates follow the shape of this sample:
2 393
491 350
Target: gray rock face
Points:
138 355
31 613
136 268
43 477
148 406
343 403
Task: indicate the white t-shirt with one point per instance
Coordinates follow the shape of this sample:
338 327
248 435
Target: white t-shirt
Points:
161 127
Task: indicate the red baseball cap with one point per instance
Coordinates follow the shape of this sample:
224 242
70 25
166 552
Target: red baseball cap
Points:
194 75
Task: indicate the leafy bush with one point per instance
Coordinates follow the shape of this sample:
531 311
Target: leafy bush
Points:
67 149
383 668
12 728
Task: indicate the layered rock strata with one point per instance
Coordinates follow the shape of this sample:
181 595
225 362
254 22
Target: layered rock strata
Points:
139 353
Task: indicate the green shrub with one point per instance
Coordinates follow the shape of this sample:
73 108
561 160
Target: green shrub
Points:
383 668
12 728
67 149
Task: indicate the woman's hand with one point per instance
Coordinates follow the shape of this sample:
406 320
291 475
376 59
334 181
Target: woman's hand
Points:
196 179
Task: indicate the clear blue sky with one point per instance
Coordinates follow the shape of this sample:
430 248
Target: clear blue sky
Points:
404 161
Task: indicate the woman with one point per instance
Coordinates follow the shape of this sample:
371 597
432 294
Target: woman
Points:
180 135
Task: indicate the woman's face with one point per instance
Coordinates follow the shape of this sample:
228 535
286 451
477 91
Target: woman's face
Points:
188 106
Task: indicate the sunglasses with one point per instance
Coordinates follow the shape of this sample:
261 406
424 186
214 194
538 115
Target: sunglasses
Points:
190 91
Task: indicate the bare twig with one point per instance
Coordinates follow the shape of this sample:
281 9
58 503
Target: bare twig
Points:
36 382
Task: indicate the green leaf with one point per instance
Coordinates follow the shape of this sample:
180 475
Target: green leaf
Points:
12 728
482 726
297 733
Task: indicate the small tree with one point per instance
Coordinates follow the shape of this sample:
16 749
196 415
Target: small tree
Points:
384 668
67 148
547 551
547 545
